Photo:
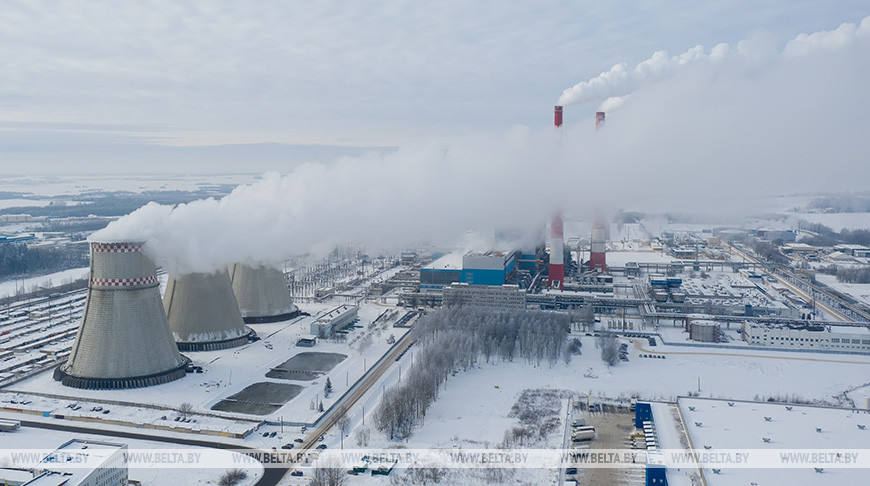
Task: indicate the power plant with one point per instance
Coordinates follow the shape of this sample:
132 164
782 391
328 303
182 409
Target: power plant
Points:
262 294
203 313
124 340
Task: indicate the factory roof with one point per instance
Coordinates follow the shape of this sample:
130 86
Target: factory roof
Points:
450 261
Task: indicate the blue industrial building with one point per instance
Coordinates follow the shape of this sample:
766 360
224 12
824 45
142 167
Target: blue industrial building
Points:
656 472
490 268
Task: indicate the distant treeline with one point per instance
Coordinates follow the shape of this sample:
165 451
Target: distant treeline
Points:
849 203
829 237
18 259
117 203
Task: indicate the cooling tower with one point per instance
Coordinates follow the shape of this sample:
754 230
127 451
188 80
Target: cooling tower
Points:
203 313
262 294
124 339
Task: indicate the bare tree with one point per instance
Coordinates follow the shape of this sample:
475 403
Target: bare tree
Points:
233 477
329 473
186 409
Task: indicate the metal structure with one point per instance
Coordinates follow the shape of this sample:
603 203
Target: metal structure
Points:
203 313
123 340
262 294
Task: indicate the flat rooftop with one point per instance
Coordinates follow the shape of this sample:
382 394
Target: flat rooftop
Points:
744 425
451 261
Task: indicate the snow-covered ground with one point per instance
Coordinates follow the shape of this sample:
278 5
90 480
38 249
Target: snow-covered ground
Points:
229 371
837 221
473 409
9 287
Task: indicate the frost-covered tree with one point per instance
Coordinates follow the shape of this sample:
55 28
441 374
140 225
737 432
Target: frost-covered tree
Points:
327 388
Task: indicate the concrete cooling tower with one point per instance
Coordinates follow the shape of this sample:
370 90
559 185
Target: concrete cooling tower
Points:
203 313
262 294
124 339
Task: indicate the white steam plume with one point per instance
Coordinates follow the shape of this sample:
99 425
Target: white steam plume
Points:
621 80
718 137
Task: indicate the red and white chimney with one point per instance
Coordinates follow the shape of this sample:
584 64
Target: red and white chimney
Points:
597 260
557 253
557 116
599 119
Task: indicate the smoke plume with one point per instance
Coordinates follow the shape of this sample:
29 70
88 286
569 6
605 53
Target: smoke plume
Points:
703 131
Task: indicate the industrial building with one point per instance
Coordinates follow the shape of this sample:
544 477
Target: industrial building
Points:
837 338
490 268
556 275
77 462
704 331
124 340
490 296
328 323
262 294
203 313
786 236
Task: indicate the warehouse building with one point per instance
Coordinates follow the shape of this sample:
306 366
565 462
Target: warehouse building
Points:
327 323
837 338
490 296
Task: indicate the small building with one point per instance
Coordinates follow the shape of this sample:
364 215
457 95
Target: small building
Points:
704 331
327 323
491 296
490 268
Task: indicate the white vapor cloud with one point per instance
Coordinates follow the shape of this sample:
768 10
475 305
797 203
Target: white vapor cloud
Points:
621 80
715 131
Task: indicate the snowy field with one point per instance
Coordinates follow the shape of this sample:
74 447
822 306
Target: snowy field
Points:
9 287
40 439
837 221
473 409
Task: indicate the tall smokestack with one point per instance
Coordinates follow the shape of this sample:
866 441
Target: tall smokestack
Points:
557 116
599 119
597 260
124 339
557 253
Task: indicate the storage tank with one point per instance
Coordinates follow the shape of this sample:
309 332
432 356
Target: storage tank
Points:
123 340
203 313
262 294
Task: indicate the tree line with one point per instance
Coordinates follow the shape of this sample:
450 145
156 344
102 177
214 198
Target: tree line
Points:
455 339
18 258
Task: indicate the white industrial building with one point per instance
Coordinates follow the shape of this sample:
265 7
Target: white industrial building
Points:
837 338
327 323
75 463
492 296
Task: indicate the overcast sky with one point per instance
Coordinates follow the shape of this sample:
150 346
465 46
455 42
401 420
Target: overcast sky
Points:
158 86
